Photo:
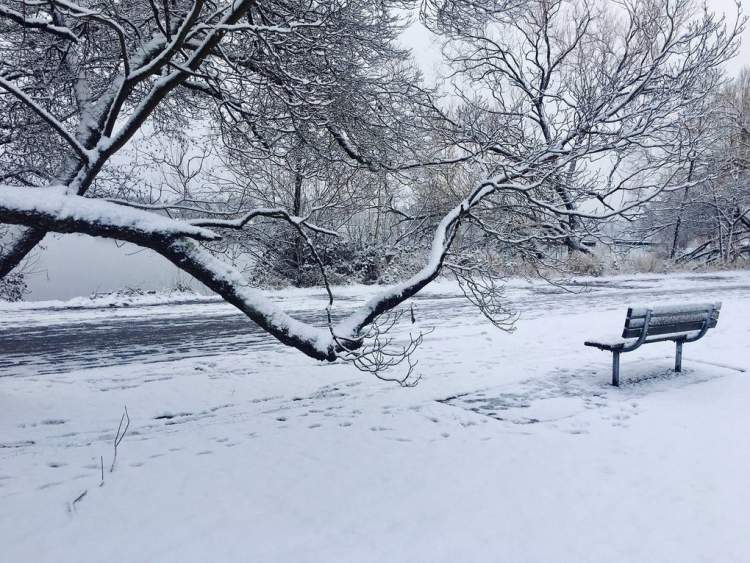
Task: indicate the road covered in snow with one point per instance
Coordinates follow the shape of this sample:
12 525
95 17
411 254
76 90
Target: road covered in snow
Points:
513 447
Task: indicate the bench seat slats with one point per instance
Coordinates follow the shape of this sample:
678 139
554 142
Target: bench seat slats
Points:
612 344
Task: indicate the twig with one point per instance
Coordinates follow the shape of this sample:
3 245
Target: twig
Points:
72 505
120 436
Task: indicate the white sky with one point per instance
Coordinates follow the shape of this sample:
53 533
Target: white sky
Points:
73 265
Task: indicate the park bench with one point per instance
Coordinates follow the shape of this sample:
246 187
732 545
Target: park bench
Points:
645 325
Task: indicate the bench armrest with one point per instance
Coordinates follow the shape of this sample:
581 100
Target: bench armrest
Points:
642 337
704 329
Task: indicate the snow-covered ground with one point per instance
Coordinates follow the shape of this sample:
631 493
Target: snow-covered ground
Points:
513 447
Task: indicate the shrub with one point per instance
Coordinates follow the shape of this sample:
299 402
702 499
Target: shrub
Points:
13 287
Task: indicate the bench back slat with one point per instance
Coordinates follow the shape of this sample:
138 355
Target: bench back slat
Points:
659 320
667 329
640 311
670 319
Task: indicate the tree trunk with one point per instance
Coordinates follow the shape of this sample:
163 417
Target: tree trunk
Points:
16 245
678 223
299 244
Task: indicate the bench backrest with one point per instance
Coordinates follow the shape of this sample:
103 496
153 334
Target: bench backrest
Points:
670 319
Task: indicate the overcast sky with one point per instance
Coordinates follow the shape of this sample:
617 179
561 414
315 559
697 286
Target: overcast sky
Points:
72 265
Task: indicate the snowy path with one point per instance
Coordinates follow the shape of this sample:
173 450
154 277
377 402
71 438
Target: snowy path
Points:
512 448
39 342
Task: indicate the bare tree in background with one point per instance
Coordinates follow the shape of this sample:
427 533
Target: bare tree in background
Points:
580 104
709 223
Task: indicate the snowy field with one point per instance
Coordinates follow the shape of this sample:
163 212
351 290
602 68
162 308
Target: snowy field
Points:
513 447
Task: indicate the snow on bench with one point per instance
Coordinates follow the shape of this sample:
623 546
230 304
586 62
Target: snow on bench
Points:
645 325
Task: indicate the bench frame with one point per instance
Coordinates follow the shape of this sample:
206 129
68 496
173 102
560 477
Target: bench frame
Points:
679 338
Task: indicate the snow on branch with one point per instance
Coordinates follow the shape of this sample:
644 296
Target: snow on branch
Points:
234 288
53 209
271 213
239 223
172 47
445 233
46 116
161 87
291 27
40 23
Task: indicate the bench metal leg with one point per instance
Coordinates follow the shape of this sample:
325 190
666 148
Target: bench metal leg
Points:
678 357
616 369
